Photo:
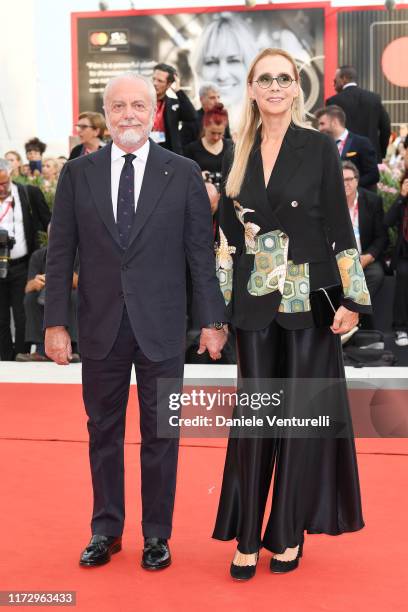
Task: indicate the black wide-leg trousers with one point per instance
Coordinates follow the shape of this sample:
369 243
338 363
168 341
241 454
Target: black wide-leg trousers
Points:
105 391
316 485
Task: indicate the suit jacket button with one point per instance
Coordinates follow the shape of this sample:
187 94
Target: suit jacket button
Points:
294 204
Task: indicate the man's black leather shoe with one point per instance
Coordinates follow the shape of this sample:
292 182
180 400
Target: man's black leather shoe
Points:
99 550
156 554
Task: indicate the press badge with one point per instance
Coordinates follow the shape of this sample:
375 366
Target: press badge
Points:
158 136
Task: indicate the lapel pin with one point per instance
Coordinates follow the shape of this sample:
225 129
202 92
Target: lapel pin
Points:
165 172
294 204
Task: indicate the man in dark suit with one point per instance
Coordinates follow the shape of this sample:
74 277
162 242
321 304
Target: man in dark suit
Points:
365 114
209 97
23 212
135 211
170 111
367 217
358 149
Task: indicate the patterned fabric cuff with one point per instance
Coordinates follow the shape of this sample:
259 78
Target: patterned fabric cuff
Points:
352 277
224 266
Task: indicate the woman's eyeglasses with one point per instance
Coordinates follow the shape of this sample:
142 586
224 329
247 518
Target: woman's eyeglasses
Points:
283 80
82 126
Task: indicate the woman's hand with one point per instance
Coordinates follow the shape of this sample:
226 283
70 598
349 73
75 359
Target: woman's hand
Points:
404 188
344 320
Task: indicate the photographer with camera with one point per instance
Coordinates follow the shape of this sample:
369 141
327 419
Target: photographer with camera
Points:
23 212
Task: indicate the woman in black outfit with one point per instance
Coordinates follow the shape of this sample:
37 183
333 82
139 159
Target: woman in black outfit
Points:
209 150
284 232
91 129
398 216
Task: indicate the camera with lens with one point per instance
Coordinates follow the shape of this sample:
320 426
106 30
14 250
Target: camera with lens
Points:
214 178
6 244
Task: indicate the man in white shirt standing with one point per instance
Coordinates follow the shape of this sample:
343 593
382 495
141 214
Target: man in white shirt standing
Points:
135 211
23 212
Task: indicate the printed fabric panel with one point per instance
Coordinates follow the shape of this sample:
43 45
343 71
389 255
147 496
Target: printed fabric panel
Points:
352 277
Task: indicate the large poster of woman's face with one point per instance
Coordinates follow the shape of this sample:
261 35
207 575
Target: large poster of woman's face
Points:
205 48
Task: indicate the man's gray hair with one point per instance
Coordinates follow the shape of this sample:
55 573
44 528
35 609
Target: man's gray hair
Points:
5 166
131 76
206 88
348 165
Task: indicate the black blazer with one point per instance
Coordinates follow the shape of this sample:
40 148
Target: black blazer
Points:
360 151
174 112
365 115
394 218
78 150
305 199
371 223
36 214
172 221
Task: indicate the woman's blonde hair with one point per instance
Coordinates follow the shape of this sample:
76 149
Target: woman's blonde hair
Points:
250 120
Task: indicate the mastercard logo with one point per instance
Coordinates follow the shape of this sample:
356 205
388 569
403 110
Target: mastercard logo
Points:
98 39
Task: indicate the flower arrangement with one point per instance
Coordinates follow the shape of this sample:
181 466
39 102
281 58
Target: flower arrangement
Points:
388 188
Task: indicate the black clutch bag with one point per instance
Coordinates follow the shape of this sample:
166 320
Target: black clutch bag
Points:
324 303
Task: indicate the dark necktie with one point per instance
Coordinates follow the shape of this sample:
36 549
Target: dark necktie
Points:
126 200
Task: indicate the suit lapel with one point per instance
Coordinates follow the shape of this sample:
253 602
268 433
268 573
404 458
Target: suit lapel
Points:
157 174
25 210
98 174
288 161
268 200
362 216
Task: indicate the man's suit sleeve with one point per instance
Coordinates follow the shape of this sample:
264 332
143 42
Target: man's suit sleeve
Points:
377 246
199 247
187 112
331 100
369 174
39 208
384 129
393 216
340 233
61 252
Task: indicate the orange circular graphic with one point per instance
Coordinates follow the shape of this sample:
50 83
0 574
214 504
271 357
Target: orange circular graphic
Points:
99 38
393 62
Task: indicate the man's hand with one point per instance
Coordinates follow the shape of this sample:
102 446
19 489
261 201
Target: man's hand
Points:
344 320
58 345
213 340
38 282
404 188
366 259
176 85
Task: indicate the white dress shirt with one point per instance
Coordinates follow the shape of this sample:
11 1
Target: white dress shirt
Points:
351 84
117 163
12 221
341 141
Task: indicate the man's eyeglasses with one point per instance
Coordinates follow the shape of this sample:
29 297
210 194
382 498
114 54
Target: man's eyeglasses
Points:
349 179
283 80
82 126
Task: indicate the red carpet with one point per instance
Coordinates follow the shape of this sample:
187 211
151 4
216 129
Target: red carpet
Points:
46 506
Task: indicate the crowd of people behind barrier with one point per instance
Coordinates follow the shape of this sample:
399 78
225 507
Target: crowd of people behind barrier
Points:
375 171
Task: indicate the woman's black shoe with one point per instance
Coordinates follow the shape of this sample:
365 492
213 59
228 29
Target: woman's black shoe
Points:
244 572
281 567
